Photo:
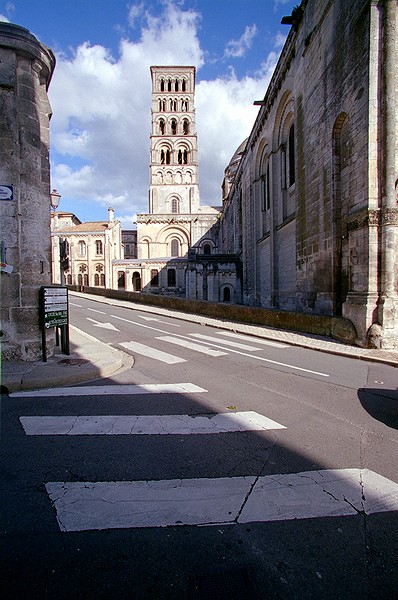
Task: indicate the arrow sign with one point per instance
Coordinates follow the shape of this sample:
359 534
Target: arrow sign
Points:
103 325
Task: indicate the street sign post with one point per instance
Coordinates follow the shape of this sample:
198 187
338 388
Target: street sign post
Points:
54 312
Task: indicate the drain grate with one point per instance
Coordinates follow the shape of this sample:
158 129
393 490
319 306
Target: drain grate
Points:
234 584
73 362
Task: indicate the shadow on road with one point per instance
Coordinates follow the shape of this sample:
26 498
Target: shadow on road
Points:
381 405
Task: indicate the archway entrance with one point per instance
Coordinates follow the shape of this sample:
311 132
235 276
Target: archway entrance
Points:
136 281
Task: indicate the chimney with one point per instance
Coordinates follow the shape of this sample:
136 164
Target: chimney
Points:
111 214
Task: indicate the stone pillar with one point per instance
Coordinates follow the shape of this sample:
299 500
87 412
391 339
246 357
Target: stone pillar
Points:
388 299
26 67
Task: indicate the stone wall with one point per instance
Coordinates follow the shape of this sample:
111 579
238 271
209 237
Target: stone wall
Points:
26 67
337 328
315 193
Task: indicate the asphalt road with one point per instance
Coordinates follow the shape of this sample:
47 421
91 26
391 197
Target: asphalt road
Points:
259 471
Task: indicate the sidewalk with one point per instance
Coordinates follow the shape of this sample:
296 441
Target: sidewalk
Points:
91 359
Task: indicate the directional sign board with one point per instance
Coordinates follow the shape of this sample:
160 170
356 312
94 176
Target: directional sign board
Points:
54 306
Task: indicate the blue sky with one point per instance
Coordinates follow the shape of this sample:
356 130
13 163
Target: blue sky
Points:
100 91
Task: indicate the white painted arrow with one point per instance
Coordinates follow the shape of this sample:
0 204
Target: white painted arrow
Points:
158 320
103 325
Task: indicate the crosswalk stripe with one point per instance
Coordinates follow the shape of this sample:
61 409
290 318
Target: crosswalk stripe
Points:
210 338
84 506
240 336
149 352
114 390
191 346
147 424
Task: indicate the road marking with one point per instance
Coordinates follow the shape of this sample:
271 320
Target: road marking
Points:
97 311
74 304
201 336
149 352
139 324
191 346
256 340
103 325
260 358
158 321
82 506
148 424
115 390
267 360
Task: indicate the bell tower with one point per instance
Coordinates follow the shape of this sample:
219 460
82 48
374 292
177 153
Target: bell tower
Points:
173 187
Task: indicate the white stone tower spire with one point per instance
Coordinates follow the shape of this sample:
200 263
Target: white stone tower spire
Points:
174 155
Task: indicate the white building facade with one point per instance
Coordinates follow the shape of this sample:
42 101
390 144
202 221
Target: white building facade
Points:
89 252
176 226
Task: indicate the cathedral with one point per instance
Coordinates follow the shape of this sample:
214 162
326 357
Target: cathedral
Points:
309 217
177 251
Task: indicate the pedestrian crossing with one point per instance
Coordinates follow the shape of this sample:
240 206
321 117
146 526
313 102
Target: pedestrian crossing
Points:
148 425
83 506
212 346
202 501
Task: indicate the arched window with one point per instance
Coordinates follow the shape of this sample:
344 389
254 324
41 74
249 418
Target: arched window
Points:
173 126
102 279
162 85
175 206
169 85
184 105
206 249
291 156
96 279
266 199
161 126
154 278
81 248
171 277
165 157
184 85
80 279
180 157
162 105
173 105
69 279
175 247
176 85
85 279
98 247
185 126
185 157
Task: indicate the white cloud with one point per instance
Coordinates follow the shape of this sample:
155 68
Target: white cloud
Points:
238 48
4 19
101 123
280 40
135 13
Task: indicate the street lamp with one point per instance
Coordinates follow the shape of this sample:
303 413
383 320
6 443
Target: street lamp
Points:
55 197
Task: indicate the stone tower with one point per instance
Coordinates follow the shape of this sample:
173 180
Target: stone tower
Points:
173 142
26 67
176 224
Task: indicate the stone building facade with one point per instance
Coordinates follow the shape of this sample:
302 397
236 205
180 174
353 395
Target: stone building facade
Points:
178 232
26 68
310 200
90 251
